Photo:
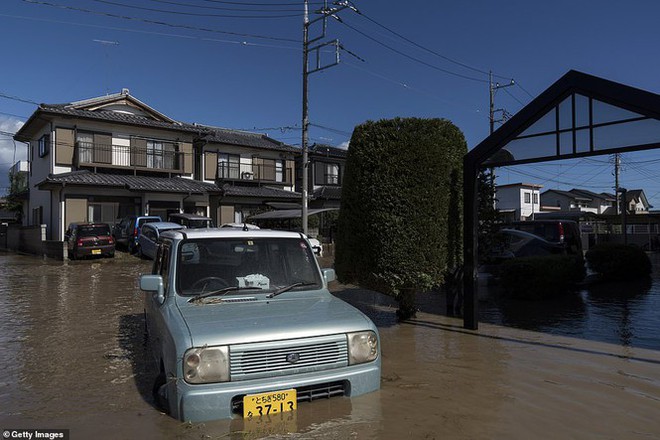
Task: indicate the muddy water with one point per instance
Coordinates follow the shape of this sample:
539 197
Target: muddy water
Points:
73 357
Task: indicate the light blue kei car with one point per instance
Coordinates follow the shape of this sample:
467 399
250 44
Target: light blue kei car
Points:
241 323
147 243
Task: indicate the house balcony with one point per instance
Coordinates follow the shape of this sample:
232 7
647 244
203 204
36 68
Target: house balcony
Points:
164 160
258 173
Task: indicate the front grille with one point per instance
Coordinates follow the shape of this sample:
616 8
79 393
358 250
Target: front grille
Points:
304 394
292 356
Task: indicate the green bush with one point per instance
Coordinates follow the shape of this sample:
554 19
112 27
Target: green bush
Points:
541 277
400 222
618 262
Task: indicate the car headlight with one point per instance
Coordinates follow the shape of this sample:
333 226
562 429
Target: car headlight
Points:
362 347
206 365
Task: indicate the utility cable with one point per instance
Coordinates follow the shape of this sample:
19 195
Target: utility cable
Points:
159 23
449 72
192 14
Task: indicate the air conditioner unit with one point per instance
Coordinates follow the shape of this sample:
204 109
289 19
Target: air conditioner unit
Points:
247 175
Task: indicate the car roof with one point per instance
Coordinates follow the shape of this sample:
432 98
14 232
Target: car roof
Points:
193 234
190 216
162 225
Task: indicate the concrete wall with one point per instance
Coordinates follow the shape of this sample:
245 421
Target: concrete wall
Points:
32 240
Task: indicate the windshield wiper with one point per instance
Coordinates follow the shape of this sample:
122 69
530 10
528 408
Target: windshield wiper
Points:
287 288
221 292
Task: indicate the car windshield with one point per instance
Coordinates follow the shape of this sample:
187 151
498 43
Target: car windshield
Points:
269 264
93 231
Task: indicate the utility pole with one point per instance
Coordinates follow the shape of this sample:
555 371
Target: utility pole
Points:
492 88
325 12
617 166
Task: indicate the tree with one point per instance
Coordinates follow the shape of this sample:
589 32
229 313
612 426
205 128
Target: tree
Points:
400 224
488 215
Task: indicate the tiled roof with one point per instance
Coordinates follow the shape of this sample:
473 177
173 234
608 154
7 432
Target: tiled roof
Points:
110 116
131 183
259 191
328 151
243 138
328 193
569 194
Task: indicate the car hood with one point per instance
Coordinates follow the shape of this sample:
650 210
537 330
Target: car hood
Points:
284 317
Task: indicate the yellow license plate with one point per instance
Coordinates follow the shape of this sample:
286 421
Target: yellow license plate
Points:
263 404
96 251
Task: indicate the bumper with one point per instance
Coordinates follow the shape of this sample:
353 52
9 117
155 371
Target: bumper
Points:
198 403
95 251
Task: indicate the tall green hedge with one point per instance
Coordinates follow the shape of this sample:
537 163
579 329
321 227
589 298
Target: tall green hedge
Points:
400 222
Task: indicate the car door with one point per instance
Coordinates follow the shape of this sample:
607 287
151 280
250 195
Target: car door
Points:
155 310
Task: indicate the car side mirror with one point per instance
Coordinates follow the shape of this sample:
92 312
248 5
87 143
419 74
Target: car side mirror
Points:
328 275
153 283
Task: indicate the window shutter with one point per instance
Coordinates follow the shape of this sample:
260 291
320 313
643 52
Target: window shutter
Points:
102 148
138 152
290 169
258 165
186 157
64 143
210 166
319 173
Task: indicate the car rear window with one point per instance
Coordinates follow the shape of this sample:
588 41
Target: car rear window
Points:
93 231
147 220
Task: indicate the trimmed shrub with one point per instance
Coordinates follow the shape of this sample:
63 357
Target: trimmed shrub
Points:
618 262
541 277
400 222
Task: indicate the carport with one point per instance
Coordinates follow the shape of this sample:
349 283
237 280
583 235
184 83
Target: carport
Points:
580 115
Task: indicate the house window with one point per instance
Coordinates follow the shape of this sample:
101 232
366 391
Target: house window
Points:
536 199
326 174
85 143
102 212
229 166
527 197
44 145
279 171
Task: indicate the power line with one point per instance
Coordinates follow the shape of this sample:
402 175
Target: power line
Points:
192 14
159 23
15 98
165 34
444 57
449 72
230 9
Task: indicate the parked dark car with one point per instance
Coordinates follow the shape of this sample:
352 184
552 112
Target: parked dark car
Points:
89 240
191 221
148 241
564 232
512 243
127 231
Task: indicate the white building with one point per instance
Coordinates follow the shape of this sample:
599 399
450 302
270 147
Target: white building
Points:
518 201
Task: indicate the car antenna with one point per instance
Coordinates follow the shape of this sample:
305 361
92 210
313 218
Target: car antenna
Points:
245 228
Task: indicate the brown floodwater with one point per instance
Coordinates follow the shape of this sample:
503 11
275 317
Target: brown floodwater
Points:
72 353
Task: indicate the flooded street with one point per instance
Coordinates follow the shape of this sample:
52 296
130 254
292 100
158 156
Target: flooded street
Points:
587 366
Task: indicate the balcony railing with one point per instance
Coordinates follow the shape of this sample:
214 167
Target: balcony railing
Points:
124 156
257 172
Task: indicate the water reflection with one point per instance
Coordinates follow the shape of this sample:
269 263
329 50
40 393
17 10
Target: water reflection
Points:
624 313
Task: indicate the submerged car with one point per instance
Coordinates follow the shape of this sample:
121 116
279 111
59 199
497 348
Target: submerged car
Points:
89 240
148 241
127 231
242 322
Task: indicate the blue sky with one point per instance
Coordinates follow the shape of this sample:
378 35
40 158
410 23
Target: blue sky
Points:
201 66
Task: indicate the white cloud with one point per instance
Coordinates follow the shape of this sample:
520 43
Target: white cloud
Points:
8 157
344 145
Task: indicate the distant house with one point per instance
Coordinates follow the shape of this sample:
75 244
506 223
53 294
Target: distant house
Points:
636 202
577 200
103 158
327 174
518 201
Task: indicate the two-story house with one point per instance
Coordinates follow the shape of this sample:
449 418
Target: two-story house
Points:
103 158
327 174
577 200
518 201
